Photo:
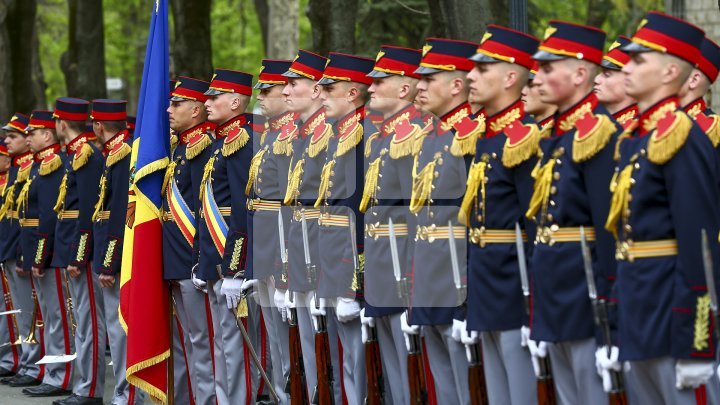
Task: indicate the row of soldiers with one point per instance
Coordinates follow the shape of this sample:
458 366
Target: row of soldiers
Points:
514 221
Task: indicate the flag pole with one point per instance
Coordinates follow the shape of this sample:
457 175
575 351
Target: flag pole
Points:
170 360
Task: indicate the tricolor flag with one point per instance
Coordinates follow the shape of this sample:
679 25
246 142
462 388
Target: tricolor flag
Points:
144 306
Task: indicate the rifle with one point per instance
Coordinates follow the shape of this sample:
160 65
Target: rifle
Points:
373 361
416 369
545 385
324 393
616 396
296 385
476 370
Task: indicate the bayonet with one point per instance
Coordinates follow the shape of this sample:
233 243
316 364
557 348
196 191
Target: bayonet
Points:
459 287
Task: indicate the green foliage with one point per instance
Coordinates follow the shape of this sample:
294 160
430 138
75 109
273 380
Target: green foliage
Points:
51 23
402 23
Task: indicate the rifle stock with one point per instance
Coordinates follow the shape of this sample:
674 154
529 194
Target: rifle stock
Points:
373 369
416 372
545 384
296 386
324 394
476 377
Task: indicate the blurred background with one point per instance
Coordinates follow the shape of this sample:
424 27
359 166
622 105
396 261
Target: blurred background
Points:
94 48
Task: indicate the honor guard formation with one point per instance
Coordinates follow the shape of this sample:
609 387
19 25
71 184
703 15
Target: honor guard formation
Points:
517 221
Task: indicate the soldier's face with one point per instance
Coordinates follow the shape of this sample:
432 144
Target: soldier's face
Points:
610 87
383 94
4 163
220 107
486 82
643 74
300 94
555 81
36 140
433 94
16 143
271 101
335 99
181 114
531 98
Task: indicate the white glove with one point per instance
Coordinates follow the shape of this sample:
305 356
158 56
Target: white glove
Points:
232 289
538 350
197 283
692 373
347 309
290 301
279 299
408 329
249 286
605 364
524 336
458 327
365 324
321 304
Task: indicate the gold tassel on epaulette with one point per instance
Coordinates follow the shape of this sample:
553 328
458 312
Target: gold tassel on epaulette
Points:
465 144
253 171
592 142
22 198
23 174
321 144
207 173
422 186
418 141
476 180
350 141
407 145
662 147
101 199
118 154
234 145
196 148
368 143
522 150
49 166
263 136
8 202
541 188
619 203
173 143
371 180
60 202
169 173
714 131
282 146
294 180
701 336
327 173
82 156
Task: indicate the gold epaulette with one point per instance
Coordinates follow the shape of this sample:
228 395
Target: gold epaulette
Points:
82 156
253 171
50 164
60 202
404 138
196 146
467 132
593 132
710 124
422 185
169 173
419 138
320 144
23 174
670 135
526 143
294 180
118 154
475 180
325 175
173 142
235 141
368 143
351 140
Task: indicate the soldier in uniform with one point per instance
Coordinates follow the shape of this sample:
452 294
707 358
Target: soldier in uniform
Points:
665 194
692 94
571 190
9 352
38 219
181 207
386 196
498 191
309 144
266 189
109 217
344 94
20 282
73 247
610 87
543 113
439 174
223 241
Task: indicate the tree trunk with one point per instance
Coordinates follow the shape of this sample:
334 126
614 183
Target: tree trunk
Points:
21 29
192 50
333 25
6 99
263 14
597 11
38 78
282 29
461 19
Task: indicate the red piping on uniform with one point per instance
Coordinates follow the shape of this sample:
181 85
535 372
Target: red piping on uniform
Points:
95 330
211 336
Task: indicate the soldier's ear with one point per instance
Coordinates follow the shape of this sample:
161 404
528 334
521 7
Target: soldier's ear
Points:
511 78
